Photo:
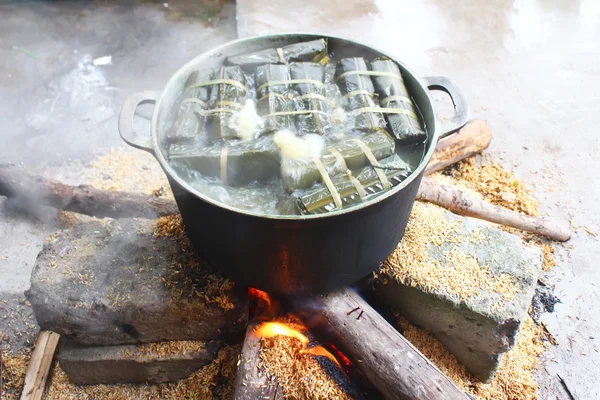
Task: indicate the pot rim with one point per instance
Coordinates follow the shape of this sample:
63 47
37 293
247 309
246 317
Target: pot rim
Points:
158 154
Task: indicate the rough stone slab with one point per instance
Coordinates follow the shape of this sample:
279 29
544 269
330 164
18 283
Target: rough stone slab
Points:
477 330
104 283
91 365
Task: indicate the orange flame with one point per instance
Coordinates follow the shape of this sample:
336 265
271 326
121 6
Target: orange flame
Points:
260 295
272 329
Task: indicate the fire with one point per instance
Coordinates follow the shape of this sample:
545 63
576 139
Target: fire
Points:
272 329
259 294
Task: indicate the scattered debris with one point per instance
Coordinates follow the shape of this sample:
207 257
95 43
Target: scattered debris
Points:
564 385
543 301
101 61
27 52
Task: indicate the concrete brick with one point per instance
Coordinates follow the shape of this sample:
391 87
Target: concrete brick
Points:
90 365
480 329
104 284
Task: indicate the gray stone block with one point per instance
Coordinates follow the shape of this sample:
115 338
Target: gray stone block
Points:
478 329
151 363
107 283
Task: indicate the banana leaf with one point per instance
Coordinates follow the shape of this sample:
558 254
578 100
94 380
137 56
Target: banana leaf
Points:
312 98
257 160
314 50
320 199
405 123
274 98
227 95
359 93
305 175
271 78
189 122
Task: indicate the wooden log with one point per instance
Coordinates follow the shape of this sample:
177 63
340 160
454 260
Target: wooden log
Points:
83 199
390 362
39 365
472 139
251 383
459 202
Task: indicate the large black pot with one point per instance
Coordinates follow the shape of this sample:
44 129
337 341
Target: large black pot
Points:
293 254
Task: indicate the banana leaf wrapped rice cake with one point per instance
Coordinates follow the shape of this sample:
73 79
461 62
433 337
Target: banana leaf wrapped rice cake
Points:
353 79
314 50
275 102
234 164
228 94
190 121
354 187
350 154
312 109
400 111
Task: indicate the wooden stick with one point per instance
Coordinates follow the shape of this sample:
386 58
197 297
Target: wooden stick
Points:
473 138
392 364
250 383
39 365
83 199
457 201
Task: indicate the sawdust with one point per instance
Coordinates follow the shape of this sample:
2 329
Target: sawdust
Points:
459 275
178 347
548 250
188 274
14 365
514 379
67 219
496 184
209 382
129 171
301 376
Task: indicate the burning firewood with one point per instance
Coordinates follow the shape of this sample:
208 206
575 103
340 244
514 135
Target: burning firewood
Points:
392 364
250 382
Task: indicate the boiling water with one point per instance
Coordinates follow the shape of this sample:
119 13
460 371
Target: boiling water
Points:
268 196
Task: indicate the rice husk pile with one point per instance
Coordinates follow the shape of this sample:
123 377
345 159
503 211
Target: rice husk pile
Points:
14 365
514 379
188 274
462 275
210 382
496 184
301 376
179 347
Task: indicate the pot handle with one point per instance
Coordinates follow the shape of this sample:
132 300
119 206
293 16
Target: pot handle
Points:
461 107
128 134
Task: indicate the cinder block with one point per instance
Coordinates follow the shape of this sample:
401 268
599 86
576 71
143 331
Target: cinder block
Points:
146 363
116 283
477 329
